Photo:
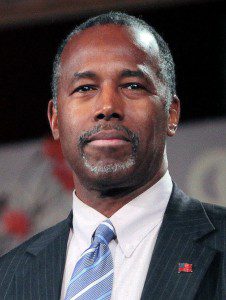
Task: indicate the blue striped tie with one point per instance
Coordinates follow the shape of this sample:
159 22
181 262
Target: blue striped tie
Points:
92 277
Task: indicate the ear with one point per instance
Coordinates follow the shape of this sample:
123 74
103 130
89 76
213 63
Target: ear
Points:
174 115
53 120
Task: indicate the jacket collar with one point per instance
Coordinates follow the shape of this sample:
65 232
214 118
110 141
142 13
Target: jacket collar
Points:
186 214
49 235
40 270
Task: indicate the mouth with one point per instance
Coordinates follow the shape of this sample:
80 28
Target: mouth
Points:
108 138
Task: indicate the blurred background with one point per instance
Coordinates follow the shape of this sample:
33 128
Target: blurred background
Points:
35 181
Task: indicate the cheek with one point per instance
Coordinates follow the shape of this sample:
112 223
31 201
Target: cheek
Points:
141 114
69 130
72 117
149 120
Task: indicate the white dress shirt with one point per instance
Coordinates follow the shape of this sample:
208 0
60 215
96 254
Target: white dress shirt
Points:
136 224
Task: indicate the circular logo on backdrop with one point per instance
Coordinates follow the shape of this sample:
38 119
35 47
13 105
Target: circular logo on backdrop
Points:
206 177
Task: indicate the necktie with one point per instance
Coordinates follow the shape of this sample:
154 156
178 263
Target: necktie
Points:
92 277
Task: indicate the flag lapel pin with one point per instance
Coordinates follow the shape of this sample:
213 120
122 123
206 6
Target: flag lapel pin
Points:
185 267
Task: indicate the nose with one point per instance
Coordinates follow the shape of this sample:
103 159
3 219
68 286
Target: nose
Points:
109 105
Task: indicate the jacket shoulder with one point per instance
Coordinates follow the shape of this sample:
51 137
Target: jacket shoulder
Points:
215 212
17 253
199 215
217 216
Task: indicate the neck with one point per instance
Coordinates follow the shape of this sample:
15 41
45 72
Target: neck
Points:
109 201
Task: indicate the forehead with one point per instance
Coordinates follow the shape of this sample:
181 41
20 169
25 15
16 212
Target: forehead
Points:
104 41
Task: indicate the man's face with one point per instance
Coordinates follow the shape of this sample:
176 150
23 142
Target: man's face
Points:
111 117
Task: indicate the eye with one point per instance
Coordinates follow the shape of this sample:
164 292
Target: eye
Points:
84 89
134 86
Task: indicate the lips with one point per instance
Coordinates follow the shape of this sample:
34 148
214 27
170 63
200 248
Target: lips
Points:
108 138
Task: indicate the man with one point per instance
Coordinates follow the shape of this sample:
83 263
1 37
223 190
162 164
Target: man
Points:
133 233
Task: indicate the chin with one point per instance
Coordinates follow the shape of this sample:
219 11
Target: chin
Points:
109 175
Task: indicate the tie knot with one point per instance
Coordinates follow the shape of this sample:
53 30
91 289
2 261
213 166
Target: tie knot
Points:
104 233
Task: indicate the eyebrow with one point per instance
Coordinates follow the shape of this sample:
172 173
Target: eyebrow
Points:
124 74
130 73
87 74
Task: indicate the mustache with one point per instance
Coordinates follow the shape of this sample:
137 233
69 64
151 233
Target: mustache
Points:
132 136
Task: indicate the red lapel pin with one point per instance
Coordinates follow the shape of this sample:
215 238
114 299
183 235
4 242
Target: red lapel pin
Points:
185 267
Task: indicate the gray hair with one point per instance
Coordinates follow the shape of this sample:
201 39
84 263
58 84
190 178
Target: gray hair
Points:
118 18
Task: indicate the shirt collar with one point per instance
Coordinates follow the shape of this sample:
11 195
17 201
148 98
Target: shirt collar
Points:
132 222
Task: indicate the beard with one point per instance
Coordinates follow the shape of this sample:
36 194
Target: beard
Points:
110 168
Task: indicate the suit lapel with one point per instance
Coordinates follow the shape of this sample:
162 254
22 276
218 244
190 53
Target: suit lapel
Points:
41 272
184 224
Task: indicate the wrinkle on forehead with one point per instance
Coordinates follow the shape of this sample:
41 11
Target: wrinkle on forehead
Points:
111 36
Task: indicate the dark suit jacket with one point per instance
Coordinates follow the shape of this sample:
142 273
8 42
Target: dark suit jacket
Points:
191 232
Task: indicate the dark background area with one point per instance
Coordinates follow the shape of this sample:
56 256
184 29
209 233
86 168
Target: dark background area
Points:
195 34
